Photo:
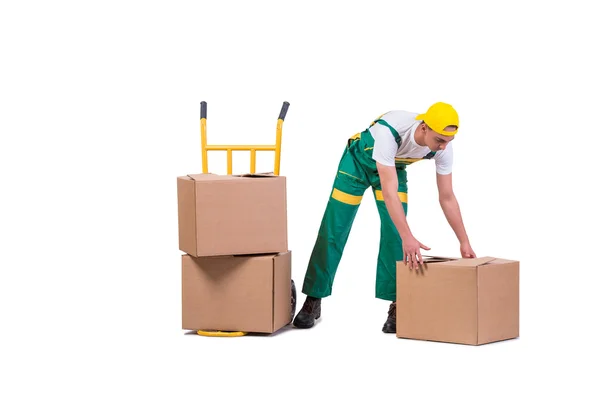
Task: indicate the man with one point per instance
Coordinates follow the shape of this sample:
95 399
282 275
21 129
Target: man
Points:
377 158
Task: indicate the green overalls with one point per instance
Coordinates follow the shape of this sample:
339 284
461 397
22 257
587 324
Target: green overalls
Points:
356 172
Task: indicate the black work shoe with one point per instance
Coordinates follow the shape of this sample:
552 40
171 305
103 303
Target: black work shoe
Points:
390 324
311 310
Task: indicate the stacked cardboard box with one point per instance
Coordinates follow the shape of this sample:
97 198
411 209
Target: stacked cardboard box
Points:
466 301
236 270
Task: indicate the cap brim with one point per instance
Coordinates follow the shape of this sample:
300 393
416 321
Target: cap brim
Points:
447 133
420 116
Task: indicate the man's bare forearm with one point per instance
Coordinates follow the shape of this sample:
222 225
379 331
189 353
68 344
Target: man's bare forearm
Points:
396 211
452 212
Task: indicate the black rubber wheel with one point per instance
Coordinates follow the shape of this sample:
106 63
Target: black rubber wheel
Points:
293 301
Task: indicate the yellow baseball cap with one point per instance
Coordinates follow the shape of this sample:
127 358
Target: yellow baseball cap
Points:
439 116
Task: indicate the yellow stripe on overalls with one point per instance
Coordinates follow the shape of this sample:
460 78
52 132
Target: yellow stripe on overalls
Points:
346 197
401 195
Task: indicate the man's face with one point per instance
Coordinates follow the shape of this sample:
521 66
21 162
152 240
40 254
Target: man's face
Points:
435 141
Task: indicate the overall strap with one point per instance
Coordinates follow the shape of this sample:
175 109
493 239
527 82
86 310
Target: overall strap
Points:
391 128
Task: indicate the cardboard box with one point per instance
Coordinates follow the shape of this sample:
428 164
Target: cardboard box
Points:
232 214
237 293
468 301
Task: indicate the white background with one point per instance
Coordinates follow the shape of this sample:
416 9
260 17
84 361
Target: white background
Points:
99 113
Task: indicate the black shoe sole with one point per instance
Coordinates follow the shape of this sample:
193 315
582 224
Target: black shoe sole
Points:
307 326
300 326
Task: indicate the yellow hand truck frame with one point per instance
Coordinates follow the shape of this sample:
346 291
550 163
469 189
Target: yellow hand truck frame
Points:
244 147
252 149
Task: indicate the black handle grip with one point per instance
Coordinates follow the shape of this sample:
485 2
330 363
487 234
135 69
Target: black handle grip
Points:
202 109
284 109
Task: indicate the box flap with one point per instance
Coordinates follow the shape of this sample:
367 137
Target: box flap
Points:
216 177
209 177
472 262
431 259
257 175
242 255
256 255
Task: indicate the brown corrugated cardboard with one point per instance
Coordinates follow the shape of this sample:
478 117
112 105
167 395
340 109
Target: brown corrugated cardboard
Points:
237 293
468 301
232 214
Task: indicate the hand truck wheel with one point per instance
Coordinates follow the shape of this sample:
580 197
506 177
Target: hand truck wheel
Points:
293 301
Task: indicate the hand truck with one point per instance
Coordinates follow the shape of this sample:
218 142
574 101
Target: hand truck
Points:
252 149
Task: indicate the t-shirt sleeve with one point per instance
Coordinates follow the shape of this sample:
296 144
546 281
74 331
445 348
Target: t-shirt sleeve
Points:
443 160
385 146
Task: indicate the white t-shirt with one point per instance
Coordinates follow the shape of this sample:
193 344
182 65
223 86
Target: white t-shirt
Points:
385 148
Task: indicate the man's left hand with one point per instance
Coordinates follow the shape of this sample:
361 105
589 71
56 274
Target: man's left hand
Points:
466 251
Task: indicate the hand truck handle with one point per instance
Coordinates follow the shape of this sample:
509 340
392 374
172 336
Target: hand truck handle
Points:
202 109
284 109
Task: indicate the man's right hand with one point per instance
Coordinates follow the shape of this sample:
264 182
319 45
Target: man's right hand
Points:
412 252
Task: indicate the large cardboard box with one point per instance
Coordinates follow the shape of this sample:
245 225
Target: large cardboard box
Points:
237 293
229 214
467 301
